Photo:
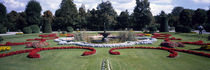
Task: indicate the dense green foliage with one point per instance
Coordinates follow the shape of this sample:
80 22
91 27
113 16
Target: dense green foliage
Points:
12 20
124 20
47 20
27 30
199 17
142 15
33 12
3 19
183 29
70 29
104 15
1 39
163 22
82 24
35 28
2 29
66 15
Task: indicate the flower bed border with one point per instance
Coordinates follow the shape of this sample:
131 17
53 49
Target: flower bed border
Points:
171 50
33 53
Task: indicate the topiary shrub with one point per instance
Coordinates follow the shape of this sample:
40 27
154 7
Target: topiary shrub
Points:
3 29
27 30
1 39
46 26
70 29
35 29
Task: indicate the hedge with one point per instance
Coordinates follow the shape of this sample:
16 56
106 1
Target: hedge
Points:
27 30
35 28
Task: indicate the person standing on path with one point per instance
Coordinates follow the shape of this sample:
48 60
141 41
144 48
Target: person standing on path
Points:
200 29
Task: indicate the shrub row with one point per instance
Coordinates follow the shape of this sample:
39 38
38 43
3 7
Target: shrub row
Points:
31 29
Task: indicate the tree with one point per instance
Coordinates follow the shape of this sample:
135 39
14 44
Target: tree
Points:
93 20
208 16
142 14
107 15
12 18
3 19
47 20
177 10
124 20
186 17
199 17
33 12
164 22
82 18
67 15
21 21
174 16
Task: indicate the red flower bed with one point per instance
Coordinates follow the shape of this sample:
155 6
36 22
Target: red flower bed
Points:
171 50
36 39
33 52
140 34
48 35
173 38
13 44
197 43
161 36
70 35
171 44
172 55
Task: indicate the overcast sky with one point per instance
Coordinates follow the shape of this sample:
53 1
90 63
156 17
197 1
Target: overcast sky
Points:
119 5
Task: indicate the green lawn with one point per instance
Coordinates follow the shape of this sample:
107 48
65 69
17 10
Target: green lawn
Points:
130 59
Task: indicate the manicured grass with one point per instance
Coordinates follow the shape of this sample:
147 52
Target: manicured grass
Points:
130 59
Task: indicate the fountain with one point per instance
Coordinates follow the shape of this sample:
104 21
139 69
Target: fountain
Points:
104 34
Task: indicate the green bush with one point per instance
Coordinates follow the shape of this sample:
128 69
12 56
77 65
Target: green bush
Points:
27 30
3 29
79 36
35 29
1 39
127 36
183 29
70 29
207 27
152 29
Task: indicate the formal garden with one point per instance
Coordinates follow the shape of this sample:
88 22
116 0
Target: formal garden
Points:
99 39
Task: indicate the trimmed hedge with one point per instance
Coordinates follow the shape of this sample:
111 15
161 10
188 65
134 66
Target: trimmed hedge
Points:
3 29
207 27
35 28
27 30
70 29
183 29
1 39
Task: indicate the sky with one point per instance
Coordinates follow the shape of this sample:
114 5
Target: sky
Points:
119 5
